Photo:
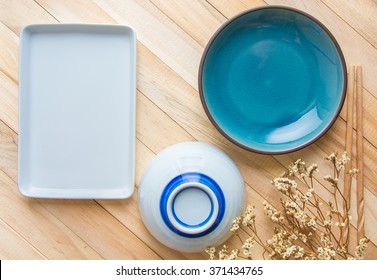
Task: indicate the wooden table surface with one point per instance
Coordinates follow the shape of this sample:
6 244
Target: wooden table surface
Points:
171 38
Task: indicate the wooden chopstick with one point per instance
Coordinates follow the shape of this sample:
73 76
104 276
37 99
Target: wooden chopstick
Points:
360 152
349 138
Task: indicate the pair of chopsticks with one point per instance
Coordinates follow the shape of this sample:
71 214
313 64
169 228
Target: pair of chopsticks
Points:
355 86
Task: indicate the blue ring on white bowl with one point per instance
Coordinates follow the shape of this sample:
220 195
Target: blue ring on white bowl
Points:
192 177
201 223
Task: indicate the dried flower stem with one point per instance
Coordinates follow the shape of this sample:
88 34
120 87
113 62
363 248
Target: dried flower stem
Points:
307 227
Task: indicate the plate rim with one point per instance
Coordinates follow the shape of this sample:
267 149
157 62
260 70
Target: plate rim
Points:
336 112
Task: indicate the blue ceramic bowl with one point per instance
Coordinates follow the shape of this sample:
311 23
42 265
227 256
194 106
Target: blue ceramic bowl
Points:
272 79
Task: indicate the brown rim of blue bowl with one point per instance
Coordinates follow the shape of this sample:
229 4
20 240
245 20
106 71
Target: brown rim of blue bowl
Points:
213 38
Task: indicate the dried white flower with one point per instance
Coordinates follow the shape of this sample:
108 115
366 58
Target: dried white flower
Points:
284 185
340 224
361 247
248 216
234 228
311 169
249 243
333 181
247 253
353 171
211 252
305 228
312 223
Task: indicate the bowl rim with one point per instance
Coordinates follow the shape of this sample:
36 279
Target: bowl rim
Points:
336 112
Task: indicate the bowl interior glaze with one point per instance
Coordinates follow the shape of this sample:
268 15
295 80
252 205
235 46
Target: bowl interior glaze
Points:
272 80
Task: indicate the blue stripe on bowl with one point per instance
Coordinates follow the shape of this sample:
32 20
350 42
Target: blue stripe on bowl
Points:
192 177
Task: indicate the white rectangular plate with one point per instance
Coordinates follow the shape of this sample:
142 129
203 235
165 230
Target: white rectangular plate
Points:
77 111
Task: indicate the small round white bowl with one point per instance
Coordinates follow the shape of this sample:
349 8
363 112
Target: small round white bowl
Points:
189 195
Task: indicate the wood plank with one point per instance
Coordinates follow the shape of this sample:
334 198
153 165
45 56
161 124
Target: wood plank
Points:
68 11
359 15
17 14
189 117
36 225
155 137
99 229
231 9
153 126
112 233
170 88
316 155
328 144
149 23
195 125
129 222
190 15
88 220
103 243
13 246
146 134
158 33
160 125
8 55
9 145
127 212
176 86
8 101
334 141
349 37
174 97
370 118
8 148
68 211
371 173
96 14
370 159
152 138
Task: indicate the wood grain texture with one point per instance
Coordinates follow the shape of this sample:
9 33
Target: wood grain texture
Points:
13 246
8 146
359 15
9 53
236 6
8 101
39 227
349 145
360 154
190 15
349 133
158 33
171 38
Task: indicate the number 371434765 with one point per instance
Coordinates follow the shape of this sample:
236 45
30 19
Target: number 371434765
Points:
235 270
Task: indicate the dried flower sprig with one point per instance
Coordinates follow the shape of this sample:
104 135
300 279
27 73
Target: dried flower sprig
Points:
306 227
